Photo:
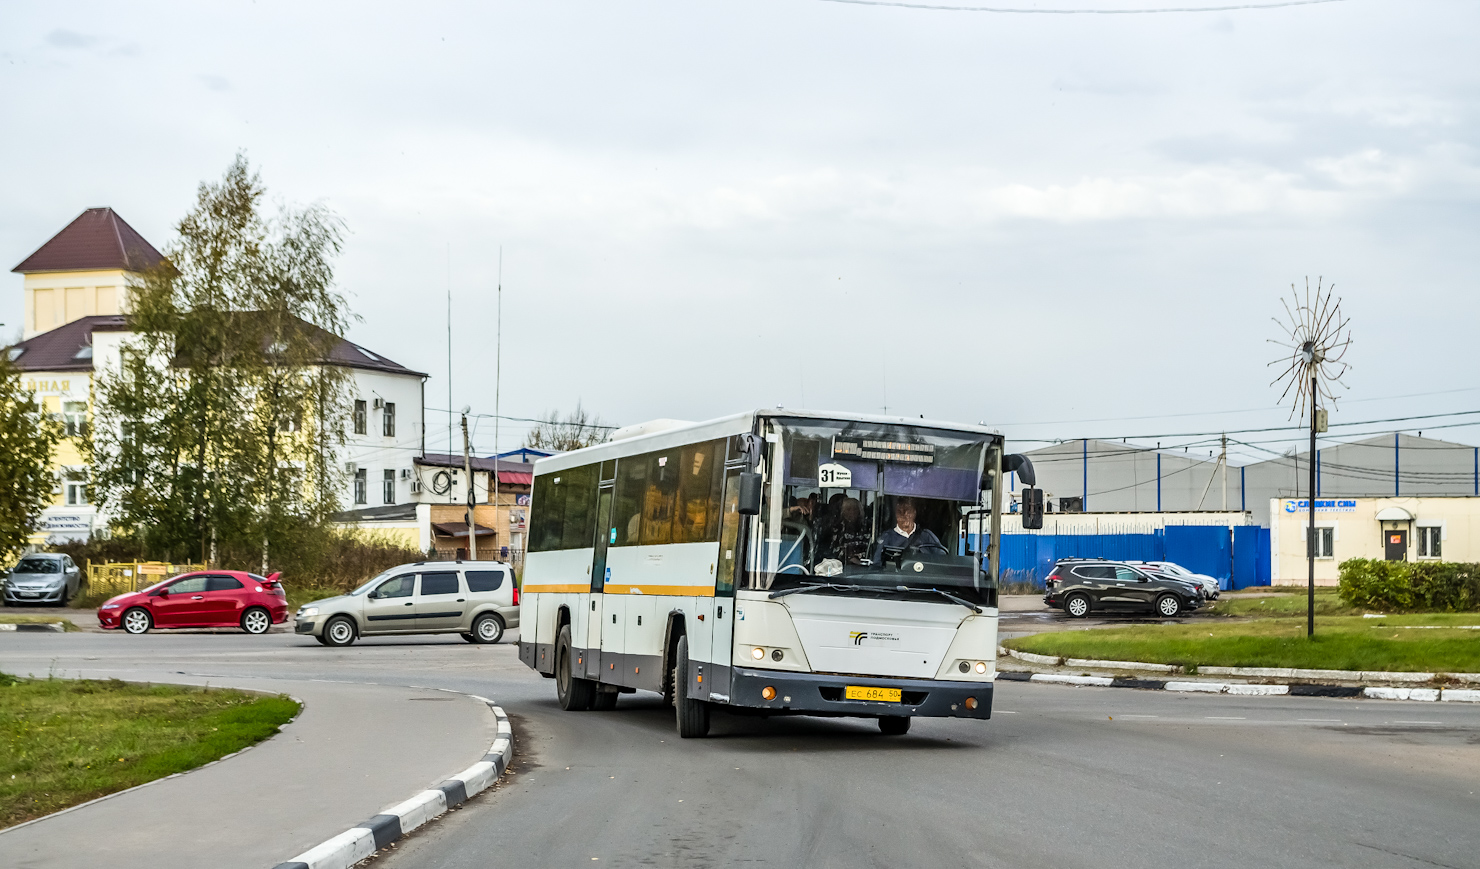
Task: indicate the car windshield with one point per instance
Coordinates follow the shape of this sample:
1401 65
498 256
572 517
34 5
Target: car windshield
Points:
162 582
869 505
370 583
39 565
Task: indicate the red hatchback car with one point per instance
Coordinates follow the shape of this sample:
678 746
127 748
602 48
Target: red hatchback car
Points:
209 599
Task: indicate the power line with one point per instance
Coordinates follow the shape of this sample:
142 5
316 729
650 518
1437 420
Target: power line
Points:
529 419
1008 10
1226 412
1198 434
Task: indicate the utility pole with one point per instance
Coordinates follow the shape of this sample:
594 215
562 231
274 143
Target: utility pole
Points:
498 358
472 490
1223 460
1310 533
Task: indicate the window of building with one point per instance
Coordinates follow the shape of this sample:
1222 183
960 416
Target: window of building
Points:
74 481
1325 539
362 481
74 417
388 420
359 416
388 487
1431 541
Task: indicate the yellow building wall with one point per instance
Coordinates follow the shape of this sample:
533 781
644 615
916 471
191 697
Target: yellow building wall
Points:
53 389
56 298
1358 534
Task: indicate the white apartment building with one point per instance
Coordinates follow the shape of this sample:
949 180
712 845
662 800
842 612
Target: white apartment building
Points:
77 301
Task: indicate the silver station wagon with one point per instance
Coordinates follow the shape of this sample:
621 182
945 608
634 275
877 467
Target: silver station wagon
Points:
476 599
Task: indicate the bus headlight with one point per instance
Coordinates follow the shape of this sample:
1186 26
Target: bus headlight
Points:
768 693
965 667
758 653
981 667
777 655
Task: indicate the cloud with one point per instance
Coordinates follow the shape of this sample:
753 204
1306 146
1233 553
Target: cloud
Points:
214 82
70 39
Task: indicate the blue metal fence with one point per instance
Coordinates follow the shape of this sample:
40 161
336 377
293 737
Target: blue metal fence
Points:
1237 557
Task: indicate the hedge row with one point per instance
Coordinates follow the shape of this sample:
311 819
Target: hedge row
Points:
1396 586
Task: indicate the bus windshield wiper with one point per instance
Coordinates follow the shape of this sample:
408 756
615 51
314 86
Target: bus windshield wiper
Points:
960 600
786 591
904 588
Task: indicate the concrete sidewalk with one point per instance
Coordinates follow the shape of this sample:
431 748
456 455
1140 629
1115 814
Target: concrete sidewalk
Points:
355 750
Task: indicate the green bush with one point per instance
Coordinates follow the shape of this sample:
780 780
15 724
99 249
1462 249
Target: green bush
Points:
1402 586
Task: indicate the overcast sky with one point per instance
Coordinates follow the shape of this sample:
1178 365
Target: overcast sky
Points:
1062 225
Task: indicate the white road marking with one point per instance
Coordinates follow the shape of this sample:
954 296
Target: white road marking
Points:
1321 720
1418 722
1224 718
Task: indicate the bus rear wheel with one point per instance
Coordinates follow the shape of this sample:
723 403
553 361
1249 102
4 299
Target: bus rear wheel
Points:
693 715
575 693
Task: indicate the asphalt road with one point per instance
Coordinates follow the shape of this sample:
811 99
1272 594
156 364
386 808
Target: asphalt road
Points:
1060 777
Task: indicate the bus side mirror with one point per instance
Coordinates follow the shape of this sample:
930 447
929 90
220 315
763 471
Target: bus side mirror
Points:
1022 466
750 493
1032 508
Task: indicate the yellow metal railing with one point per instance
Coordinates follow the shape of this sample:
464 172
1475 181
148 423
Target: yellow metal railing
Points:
120 578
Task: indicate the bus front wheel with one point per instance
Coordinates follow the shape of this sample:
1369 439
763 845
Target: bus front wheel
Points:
574 692
693 715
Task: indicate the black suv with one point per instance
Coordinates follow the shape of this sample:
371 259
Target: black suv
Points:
1082 585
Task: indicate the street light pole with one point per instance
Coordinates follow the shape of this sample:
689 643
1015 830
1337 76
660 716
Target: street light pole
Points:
472 491
1310 533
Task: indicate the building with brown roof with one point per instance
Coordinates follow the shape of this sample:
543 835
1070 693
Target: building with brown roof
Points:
83 271
77 300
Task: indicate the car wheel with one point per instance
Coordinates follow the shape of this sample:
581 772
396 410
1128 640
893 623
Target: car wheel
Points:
321 640
340 631
604 701
137 621
894 725
468 638
575 694
256 620
1077 606
1168 606
488 628
693 715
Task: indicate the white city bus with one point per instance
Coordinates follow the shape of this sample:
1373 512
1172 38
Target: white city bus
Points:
772 562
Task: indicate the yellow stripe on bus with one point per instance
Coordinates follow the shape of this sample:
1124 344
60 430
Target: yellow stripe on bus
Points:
579 588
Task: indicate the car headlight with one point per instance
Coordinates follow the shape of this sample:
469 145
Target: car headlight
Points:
110 606
308 612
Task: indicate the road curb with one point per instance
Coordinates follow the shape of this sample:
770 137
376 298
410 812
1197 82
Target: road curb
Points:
363 840
1446 695
56 627
1243 672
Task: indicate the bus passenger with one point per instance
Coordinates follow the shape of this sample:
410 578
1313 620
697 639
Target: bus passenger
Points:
848 537
907 534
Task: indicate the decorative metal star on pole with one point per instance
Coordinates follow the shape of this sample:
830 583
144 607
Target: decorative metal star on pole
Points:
1317 338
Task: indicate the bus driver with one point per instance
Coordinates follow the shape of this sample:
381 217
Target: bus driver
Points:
907 535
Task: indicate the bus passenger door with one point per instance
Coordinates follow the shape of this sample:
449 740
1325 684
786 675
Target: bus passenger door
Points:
596 615
727 561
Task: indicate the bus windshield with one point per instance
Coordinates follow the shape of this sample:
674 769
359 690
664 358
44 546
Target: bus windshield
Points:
871 506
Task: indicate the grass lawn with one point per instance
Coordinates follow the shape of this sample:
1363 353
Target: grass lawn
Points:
64 741
8 619
1421 643
1328 603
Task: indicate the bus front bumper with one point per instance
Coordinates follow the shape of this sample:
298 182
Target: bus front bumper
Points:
824 694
